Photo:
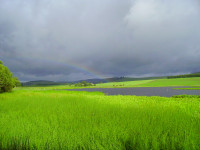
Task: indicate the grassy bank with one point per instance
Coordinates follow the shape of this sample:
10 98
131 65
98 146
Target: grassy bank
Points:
42 119
195 81
190 88
123 84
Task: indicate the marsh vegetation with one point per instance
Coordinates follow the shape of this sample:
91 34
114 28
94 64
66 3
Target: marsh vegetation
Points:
49 119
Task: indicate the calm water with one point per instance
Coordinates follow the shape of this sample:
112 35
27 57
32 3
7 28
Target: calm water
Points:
142 91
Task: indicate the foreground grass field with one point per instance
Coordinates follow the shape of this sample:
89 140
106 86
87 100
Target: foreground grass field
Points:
47 119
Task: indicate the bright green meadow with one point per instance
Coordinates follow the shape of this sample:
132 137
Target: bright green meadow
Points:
195 81
124 84
39 118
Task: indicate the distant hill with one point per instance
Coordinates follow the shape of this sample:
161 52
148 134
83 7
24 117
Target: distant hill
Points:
122 79
94 81
117 79
41 83
114 79
197 74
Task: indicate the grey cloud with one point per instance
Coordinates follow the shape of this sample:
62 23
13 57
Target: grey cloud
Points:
41 39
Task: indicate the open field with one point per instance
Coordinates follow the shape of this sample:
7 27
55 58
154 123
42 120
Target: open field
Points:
49 119
124 84
195 81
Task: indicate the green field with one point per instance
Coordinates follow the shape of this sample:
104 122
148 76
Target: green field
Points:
174 82
190 88
37 118
195 81
123 84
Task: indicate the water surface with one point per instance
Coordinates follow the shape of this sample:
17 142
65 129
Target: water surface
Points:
142 91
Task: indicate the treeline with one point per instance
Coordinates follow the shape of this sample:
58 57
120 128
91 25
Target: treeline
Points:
124 79
7 80
185 75
41 83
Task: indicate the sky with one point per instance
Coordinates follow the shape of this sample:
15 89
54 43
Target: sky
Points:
70 40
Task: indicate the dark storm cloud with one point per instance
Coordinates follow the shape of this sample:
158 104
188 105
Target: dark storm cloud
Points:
41 39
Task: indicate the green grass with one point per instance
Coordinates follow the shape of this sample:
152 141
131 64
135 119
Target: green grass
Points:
123 84
53 87
174 82
195 81
190 88
47 119
186 96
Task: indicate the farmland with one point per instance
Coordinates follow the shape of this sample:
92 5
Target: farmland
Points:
123 84
155 83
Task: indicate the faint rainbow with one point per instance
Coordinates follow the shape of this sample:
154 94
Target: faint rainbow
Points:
84 69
